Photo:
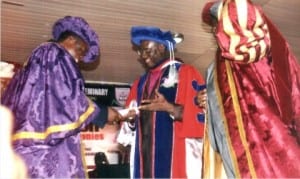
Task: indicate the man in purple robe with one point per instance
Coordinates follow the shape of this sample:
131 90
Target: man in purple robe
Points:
49 104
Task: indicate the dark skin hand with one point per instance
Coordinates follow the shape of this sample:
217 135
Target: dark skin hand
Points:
159 103
114 116
202 98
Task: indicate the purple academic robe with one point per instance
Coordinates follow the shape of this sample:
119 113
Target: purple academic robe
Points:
50 107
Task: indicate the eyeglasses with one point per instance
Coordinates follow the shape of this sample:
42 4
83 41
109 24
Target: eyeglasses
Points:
146 49
147 52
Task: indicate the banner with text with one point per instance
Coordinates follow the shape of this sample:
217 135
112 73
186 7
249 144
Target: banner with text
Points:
94 138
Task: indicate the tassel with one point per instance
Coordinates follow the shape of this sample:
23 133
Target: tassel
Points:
172 78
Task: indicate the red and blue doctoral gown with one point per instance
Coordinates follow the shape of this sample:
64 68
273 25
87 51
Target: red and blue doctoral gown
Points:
160 148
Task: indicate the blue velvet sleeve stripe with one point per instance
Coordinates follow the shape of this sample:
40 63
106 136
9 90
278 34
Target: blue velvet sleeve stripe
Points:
101 118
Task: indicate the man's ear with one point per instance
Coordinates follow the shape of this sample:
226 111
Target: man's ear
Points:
134 47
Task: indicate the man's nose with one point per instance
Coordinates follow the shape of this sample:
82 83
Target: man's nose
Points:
144 54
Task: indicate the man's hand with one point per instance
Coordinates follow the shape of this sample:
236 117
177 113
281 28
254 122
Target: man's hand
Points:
159 103
202 98
114 116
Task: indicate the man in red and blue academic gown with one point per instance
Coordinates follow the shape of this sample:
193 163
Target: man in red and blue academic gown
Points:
169 125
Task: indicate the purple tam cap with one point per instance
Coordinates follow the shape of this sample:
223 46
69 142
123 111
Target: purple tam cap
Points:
140 33
80 27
